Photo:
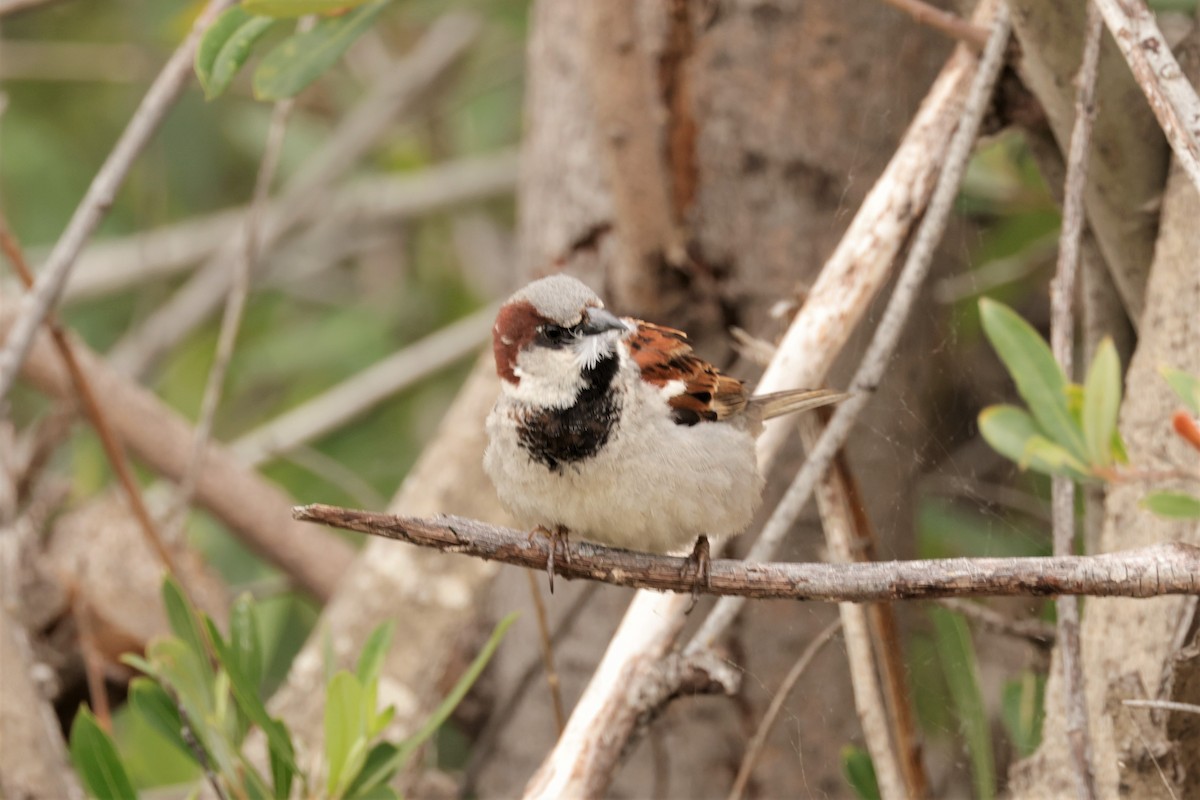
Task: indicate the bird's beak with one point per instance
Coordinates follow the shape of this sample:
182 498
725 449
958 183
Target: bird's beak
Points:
597 320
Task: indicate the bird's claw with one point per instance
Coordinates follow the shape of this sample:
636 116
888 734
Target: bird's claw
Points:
558 540
699 564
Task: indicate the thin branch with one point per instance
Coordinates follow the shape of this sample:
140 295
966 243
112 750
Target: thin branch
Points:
1033 631
755 748
1062 335
1166 705
361 392
887 334
840 518
14 6
442 46
110 440
1172 97
239 290
100 196
552 682
1166 568
943 21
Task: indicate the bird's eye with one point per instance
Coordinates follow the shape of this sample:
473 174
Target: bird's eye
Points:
554 334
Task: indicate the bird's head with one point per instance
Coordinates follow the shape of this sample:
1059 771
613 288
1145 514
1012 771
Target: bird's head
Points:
548 334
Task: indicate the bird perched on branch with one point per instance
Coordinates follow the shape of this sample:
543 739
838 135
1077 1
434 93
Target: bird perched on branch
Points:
611 429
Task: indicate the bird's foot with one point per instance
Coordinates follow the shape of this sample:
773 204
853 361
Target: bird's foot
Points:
558 537
699 565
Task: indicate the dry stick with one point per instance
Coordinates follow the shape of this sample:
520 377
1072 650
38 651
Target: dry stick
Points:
535 591
944 21
439 49
93 661
1172 97
1164 568
755 748
839 518
849 280
1033 631
239 290
1062 331
1167 705
362 391
887 334
114 448
100 196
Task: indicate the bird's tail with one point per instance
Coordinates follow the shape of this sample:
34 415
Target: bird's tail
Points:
790 401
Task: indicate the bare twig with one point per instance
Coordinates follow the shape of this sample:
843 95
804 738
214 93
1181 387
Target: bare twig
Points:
100 196
552 682
359 393
839 519
439 50
944 21
239 290
1031 630
114 449
13 6
1166 568
1166 705
1062 335
754 748
887 334
1172 97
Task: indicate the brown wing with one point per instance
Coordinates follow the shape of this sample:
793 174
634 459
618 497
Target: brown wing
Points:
704 394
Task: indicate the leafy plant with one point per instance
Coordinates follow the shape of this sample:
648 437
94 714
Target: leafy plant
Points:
859 770
204 694
1022 710
292 64
1067 429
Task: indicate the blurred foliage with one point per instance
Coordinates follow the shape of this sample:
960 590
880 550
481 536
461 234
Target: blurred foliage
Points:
298 338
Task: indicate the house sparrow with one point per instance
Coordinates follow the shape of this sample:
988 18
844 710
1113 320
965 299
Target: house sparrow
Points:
613 430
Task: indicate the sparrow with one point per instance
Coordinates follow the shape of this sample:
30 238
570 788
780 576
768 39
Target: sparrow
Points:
611 429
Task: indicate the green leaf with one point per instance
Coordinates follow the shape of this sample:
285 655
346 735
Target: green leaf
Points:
1052 459
155 706
1185 385
186 673
1101 401
860 772
960 668
345 730
1014 434
1022 709
234 53
300 59
370 660
214 39
1173 505
249 701
378 768
185 623
244 640
1040 381
290 9
95 758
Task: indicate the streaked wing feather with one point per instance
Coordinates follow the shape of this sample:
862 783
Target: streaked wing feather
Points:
665 357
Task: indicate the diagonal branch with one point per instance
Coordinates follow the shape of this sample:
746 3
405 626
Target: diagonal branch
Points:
100 196
1167 568
1171 96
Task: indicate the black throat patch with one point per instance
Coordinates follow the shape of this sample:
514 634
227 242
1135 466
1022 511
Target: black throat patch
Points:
558 436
